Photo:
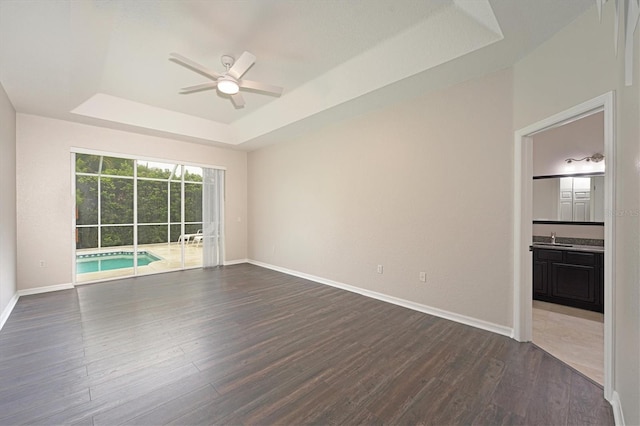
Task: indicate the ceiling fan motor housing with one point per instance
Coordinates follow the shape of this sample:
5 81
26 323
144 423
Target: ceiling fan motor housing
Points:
227 61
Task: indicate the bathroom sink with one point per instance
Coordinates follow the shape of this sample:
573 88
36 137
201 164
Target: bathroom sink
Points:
553 244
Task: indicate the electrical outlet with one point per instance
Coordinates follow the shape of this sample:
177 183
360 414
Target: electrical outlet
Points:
380 269
423 277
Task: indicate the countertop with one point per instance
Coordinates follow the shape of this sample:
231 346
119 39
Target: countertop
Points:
568 247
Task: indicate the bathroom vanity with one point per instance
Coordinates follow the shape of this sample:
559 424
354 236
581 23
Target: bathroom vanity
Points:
571 275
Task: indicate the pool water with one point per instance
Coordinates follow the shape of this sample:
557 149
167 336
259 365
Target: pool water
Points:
110 261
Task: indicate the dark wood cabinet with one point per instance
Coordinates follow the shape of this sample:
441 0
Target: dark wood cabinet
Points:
571 278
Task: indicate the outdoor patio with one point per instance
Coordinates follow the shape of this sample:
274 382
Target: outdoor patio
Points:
170 254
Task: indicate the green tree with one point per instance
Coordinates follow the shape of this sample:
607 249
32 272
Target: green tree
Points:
159 201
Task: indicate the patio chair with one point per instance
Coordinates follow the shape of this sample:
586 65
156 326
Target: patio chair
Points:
197 238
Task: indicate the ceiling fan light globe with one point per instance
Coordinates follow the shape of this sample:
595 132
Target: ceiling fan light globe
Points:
228 86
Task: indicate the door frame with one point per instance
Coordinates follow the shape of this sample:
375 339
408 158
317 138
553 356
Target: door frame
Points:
522 209
78 150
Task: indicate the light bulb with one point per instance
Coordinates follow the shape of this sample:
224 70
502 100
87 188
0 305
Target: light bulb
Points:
228 86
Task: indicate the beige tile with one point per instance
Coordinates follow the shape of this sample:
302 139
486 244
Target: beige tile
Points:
568 310
571 335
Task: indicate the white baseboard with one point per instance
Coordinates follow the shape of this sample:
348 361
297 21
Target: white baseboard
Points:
473 322
4 316
616 405
235 262
46 289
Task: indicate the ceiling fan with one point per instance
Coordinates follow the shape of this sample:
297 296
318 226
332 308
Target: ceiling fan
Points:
229 82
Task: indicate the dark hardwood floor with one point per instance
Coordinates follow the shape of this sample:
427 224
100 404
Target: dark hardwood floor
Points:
246 345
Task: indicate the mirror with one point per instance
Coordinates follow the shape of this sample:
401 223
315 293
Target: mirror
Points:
568 199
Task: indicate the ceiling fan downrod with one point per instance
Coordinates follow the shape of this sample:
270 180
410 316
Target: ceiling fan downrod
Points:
227 61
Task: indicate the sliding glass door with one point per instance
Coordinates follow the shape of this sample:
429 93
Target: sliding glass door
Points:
137 217
104 216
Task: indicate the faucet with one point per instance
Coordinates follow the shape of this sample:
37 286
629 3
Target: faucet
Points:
553 238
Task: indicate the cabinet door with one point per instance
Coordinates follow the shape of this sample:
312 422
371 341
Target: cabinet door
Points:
540 278
574 282
581 211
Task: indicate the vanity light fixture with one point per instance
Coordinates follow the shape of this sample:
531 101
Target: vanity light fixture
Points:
596 158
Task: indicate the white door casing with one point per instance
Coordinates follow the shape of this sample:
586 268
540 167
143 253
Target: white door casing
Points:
522 209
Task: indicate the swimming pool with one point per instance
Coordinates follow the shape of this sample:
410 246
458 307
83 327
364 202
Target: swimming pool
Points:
109 261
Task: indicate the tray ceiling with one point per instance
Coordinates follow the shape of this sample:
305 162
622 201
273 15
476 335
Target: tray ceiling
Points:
107 63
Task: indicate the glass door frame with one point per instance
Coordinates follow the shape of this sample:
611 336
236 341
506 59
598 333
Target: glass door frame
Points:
136 159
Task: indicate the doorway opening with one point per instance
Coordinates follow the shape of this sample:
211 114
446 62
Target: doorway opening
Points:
523 220
568 243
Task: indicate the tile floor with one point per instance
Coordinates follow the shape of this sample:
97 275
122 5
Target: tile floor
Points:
574 336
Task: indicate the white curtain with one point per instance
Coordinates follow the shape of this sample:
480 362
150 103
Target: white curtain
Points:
212 217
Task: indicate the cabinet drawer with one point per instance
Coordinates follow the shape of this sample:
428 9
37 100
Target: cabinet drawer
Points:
549 254
577 258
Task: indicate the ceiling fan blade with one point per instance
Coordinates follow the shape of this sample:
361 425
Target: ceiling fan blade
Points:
198 87
241 66
260 87
238 100
194 66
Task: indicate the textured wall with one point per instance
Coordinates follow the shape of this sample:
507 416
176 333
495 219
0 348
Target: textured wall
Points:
419 186
44 189
579 139
576 65
7 201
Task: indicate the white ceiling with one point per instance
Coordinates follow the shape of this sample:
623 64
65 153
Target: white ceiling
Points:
107 62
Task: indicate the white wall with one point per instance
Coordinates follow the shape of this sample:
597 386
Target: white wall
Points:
420 186
44 189
576 65
627 211
545 199
570 231
578 139
7 204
